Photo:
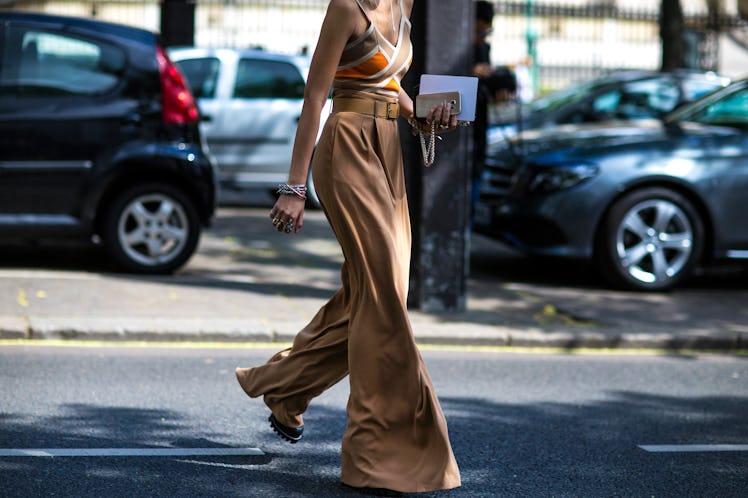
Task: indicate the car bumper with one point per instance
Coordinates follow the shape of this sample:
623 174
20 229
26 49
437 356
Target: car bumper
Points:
553 225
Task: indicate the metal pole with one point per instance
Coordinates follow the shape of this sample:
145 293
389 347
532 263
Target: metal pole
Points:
178 22
531 36
439 196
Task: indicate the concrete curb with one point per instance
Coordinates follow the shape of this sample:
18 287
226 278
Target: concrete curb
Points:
14 327
451 334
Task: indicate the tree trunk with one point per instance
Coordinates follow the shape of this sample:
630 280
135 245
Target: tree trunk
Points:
178 22
671 34
716 9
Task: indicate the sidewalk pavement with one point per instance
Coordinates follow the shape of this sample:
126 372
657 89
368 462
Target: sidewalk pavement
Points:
248 283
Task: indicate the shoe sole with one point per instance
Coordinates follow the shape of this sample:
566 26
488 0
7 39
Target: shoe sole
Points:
373 491
279 429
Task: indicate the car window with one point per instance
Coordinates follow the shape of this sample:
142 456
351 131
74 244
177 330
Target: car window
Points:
260 79
693 89
563 97
41 63
730 111
606 104
202 75
640 99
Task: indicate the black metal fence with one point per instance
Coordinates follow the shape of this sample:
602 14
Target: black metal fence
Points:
556 41
568 40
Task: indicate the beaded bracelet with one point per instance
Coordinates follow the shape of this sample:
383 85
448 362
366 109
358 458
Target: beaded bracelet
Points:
297 190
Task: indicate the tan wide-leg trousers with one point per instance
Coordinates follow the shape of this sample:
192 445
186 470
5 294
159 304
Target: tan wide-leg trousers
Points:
396 437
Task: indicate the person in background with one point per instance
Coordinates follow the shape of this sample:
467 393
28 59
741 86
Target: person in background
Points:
494 85
523 75
396 438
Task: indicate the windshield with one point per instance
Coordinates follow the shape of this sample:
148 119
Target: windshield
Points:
728 107
568 95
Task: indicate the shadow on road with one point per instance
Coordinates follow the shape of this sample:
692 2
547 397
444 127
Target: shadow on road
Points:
504 450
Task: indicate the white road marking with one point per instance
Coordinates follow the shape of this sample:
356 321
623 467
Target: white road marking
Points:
692 448
128 452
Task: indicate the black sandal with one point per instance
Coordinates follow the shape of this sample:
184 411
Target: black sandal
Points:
373 491
290 434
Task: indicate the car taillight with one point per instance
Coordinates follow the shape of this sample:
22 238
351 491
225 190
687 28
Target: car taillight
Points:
178 103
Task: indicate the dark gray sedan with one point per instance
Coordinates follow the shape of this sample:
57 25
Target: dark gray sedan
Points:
618 95
648 201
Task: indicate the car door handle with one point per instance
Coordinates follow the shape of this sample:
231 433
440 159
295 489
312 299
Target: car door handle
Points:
206 118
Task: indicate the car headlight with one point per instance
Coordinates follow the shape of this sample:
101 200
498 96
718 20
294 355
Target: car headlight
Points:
544 180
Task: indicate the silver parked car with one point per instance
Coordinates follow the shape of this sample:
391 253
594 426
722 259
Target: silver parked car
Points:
250 102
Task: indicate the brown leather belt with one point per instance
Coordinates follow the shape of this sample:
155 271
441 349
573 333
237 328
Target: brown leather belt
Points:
376 108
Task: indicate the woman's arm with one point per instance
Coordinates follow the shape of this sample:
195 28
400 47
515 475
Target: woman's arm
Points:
439 114
340 23
406 105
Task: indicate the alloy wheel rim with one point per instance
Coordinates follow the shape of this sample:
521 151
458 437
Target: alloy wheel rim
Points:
654 241
153 229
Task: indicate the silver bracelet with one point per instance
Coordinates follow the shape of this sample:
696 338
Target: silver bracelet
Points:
297 190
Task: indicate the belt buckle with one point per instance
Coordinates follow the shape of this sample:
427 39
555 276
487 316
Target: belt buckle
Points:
392 110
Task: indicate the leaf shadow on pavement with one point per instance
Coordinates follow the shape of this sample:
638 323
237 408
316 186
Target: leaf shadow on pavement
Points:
242 257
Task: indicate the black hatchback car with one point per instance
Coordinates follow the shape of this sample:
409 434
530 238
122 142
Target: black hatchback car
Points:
99 139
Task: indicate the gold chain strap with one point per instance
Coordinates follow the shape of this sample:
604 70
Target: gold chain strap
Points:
428 151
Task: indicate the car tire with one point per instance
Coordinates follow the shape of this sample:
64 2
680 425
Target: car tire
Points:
151 228
650 240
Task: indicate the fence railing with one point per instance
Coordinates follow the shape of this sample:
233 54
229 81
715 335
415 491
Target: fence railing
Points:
569 39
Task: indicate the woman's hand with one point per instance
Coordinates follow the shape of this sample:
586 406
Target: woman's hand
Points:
440 116
288 213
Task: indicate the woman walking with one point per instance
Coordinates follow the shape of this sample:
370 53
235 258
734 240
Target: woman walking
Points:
396 437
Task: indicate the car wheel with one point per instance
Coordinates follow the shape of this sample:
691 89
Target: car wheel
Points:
651 239
152 228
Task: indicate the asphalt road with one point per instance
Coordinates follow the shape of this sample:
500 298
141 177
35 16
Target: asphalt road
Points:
522 425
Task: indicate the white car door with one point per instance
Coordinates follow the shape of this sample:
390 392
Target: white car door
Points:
252 123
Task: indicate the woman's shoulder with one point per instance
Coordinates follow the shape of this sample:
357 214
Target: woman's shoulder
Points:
344 15
344 7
